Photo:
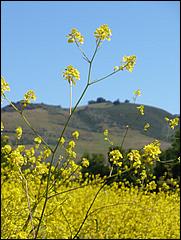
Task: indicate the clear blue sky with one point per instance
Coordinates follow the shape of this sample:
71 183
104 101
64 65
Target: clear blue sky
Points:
35 50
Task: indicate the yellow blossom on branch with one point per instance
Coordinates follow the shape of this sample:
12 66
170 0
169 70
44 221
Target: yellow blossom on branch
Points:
30 95
75 35
135 157
141 109
85 162
147 125
62 140
151 151
75 134
130 62
172 122
6 149
137 92
37 140
4 86
19 132
71 74
115 156
103 33
106 132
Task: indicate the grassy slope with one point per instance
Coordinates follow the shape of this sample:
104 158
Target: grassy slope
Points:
91 120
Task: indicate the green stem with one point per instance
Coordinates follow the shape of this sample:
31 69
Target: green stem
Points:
127 127
104 77
84 55
95 51
110 74
70 97
87 213
27 122
54 151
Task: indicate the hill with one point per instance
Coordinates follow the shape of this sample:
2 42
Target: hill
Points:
90 121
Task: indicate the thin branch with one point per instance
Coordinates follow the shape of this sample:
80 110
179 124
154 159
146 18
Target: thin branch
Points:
27 122
67 222
87 213
54 151
127 127
70 97
84 55
95 81
98 43
28 199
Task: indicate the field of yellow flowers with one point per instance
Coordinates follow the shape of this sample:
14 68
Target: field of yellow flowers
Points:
118 212
49 197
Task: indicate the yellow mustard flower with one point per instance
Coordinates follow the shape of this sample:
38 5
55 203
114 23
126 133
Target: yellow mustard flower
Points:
19 132
75 35
103 33
6 149
62 140
37 140
141 109
174 122
137 92
135 156
106 132
71 74
47 153
146 126
16 157
115 156
4 86
152 150
71 144
130 62
75 134
29 95
85 162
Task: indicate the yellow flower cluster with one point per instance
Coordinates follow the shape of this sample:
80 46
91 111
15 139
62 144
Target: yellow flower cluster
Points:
6 149
141 109
30 95
85 162
69 149
16 157
115 156
4 86
103 33
71 74
151 185
75 36
135 156
19 132
151 151
37 140
47 152
62 140
75 134
130 62
172 122
146 126
137 92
